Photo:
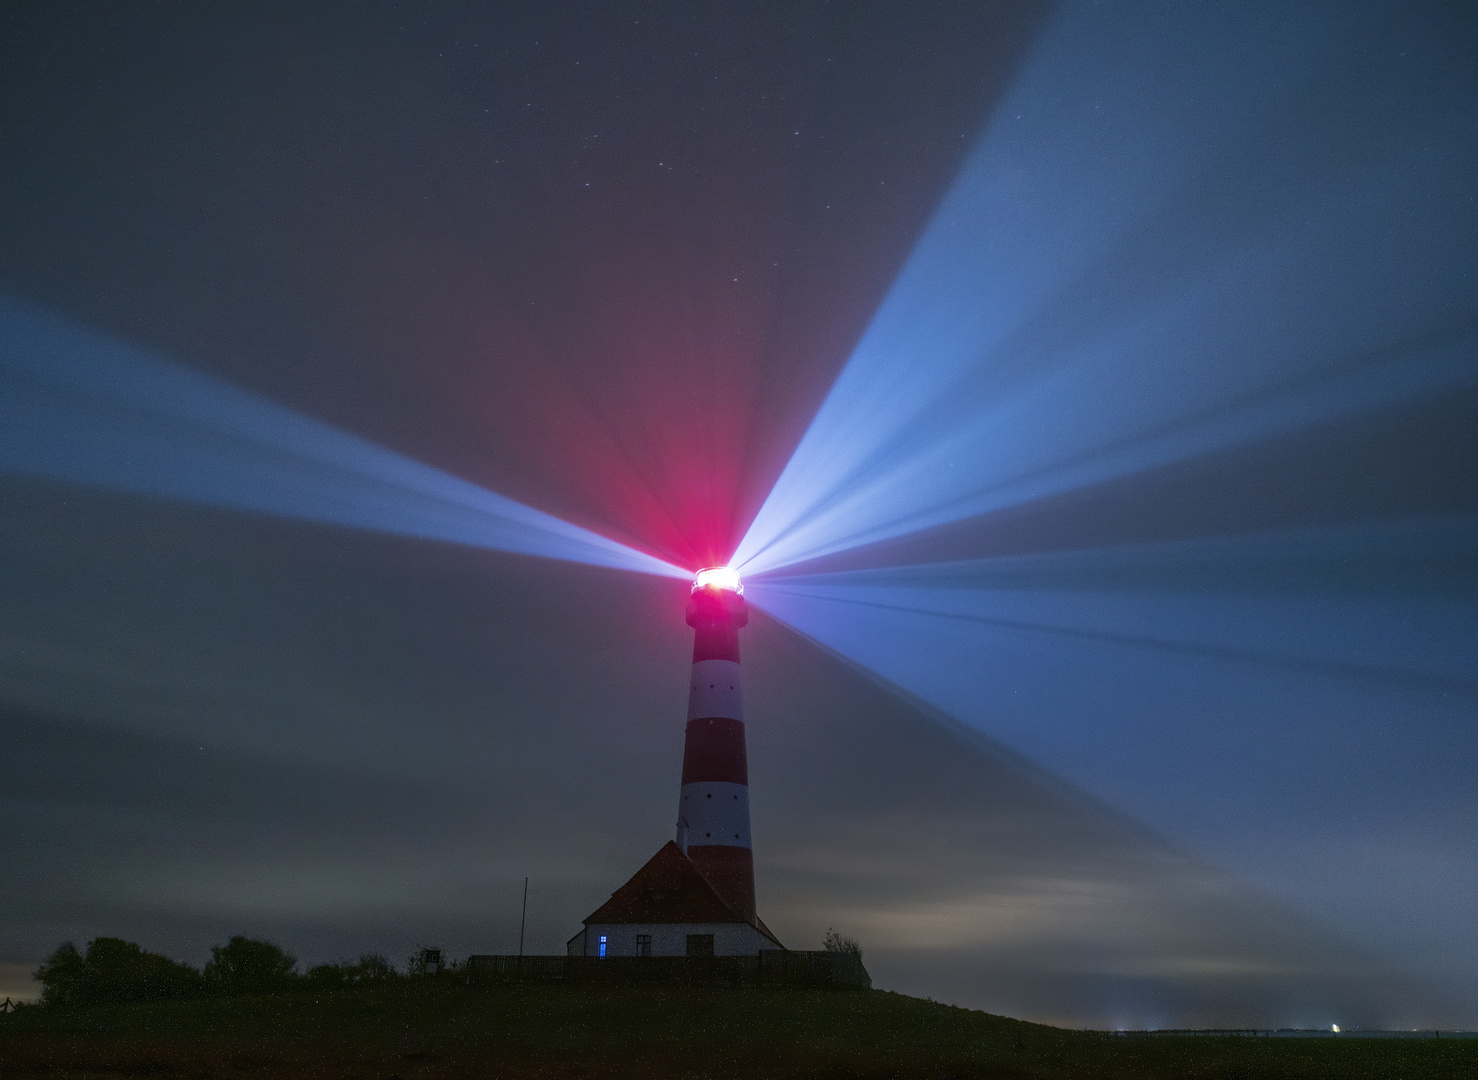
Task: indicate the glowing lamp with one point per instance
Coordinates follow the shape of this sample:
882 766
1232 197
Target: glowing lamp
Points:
719 577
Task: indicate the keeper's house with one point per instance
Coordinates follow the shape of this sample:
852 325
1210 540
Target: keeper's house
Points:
669 908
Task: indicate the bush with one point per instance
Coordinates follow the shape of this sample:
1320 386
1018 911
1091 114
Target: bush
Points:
370 967
111 971
374 966
835 942
61 975
329 976
247 966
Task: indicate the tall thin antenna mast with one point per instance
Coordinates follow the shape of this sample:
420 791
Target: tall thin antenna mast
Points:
524 918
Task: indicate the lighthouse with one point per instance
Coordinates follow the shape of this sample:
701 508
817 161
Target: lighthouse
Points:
713 809
695 897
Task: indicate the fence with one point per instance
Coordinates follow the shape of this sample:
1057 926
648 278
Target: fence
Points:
774 967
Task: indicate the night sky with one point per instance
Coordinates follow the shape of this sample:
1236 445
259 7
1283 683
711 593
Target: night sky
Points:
1092 390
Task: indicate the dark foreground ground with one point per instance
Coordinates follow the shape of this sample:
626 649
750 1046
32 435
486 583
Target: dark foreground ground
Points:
424 1031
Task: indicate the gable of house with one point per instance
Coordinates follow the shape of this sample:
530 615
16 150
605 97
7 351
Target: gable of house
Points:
670 889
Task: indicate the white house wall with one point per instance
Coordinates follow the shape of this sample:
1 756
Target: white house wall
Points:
671 939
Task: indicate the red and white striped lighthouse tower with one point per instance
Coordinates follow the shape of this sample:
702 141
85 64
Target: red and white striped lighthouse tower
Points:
713 810
695 897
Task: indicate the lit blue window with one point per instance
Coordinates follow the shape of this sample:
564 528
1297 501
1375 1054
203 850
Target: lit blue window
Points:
602 944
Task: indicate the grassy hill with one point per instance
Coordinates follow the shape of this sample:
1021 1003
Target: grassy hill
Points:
423 1029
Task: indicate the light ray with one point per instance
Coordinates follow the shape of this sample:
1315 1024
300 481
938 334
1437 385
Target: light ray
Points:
1173 679
80 407
1133 270
1191 235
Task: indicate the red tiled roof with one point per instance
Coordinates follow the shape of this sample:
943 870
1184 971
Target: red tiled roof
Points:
669 889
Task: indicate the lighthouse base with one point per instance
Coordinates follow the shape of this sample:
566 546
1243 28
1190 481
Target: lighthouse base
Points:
669 939
671 907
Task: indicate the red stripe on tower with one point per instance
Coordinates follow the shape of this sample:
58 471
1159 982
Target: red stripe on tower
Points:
713 812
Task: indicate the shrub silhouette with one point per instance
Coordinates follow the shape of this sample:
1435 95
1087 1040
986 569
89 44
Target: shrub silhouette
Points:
374 966
113 970
246 966
61 975
836 942
328 976
369 968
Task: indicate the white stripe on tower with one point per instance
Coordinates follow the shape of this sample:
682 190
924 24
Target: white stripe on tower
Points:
716 690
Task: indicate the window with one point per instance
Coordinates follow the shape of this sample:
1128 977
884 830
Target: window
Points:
700 944
643 944
602 945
